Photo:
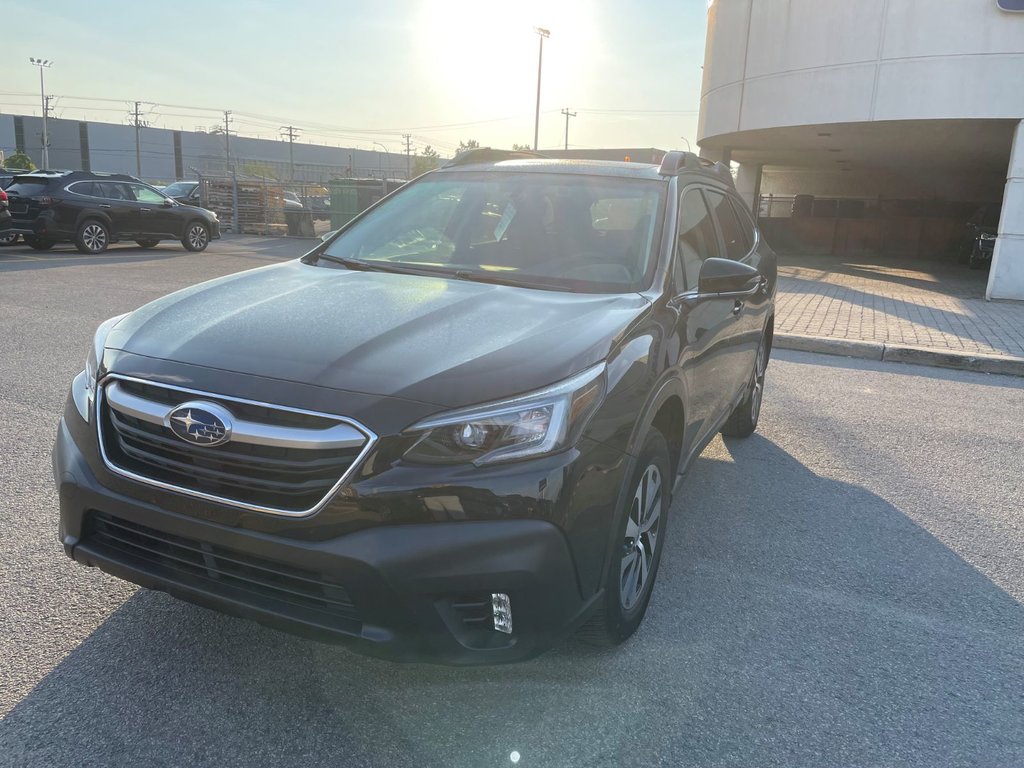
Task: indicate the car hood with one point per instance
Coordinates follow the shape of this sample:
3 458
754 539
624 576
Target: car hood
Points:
441 341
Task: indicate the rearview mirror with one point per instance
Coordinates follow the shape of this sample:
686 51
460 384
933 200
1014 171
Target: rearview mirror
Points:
727 276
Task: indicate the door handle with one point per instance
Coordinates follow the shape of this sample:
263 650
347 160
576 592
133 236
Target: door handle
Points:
145 210
104 205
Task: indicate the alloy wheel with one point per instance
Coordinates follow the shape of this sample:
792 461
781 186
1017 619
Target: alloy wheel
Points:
94 237
641 540
197 236
757 393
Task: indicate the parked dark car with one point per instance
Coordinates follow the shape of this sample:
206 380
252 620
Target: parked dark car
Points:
7 237
5 216
979 240
453 431
184 192
93 210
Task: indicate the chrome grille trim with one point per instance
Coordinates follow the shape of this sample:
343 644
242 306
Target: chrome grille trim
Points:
342 435
368 435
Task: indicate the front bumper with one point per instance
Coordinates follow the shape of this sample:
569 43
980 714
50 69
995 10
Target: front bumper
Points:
406 587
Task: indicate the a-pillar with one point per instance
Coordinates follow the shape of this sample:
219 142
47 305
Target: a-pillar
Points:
1006 276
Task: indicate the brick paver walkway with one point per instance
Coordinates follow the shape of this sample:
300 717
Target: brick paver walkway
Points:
918 303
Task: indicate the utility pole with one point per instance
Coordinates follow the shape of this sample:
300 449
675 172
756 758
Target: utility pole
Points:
567 114
43 64
408 155
138 140
292 133
227 137
542 33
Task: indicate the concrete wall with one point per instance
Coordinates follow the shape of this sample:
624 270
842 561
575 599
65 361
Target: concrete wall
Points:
775 63
923 183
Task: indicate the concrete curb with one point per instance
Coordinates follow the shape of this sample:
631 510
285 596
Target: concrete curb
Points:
901 353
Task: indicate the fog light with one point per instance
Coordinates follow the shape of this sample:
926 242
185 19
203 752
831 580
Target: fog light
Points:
501 607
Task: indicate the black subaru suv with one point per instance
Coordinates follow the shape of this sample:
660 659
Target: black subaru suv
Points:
93 210
452 431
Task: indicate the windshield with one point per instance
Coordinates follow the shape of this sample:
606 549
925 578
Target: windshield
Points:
179 188
589 234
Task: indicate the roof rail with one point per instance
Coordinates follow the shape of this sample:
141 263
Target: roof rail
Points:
489 155
675 162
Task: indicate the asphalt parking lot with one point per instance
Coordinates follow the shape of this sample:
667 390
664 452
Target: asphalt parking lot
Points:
842 589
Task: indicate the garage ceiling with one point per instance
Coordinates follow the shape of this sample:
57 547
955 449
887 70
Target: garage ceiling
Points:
899 144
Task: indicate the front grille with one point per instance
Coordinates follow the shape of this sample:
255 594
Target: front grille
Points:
283 589
277 478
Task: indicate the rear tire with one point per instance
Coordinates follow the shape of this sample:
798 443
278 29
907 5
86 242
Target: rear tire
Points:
148 243
635 557
196 238
975 261
39 244
743 420
92 237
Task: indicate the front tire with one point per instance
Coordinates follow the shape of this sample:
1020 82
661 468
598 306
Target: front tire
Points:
92 237
637 551
196 238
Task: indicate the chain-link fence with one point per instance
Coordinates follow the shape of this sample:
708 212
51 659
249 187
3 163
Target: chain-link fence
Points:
255 205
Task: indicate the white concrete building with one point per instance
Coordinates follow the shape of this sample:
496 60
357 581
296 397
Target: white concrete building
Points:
916 100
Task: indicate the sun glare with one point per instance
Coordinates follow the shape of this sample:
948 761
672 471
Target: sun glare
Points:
480 58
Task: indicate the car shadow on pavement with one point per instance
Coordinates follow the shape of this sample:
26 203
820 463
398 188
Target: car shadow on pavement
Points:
797 621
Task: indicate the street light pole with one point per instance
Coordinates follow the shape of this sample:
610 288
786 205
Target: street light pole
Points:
541 33
43 64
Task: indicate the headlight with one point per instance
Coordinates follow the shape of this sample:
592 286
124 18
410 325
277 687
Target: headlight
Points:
83 388
528 425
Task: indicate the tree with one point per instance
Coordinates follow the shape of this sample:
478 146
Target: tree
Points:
257 168
20 160
522 148
465 146
427 160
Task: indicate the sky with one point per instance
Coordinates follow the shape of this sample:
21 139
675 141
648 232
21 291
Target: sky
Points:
354 73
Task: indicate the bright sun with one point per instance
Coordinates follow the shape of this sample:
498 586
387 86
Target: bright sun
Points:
480 57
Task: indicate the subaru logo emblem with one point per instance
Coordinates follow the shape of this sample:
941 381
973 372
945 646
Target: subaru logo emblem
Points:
200 423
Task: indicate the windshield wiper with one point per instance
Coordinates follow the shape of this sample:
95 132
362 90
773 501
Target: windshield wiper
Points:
498 279
370 266
430 271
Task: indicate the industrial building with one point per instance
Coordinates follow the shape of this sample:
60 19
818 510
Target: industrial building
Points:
164 155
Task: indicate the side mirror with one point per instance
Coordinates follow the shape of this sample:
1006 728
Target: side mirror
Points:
725 276
168 203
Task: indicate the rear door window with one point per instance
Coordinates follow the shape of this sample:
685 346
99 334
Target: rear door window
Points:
82 188
746 222
112 190
737 245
